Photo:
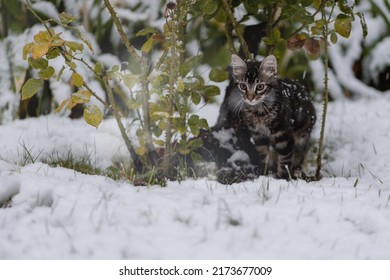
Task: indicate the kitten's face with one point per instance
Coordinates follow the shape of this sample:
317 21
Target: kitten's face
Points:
254 79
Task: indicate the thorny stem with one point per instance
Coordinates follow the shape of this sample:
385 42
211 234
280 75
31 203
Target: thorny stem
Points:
229 36
325 33
151 151
171 95
137 162
122 33
229 13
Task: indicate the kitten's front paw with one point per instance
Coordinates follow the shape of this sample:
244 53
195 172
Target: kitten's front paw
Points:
230 174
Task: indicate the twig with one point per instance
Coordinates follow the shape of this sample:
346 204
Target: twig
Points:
137 162
325 33
122 33
229 13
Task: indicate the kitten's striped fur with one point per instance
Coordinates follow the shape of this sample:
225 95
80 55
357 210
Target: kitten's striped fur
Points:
271 111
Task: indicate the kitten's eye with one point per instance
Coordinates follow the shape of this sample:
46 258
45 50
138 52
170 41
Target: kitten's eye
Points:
242 86
260 87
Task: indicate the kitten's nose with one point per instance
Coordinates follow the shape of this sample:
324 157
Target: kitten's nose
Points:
250 96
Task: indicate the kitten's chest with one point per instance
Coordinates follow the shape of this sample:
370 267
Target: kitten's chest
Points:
262 124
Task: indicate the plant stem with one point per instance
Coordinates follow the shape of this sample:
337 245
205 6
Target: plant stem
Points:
229 36
122 33
151 150
229 13
173 59
137 162
325 33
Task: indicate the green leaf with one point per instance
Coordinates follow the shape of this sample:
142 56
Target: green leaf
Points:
53 53
196 157
60 72
333 37
77 80
93 115
66 18
343 25
129 80
356 183
147 46
218 76
31 87
196 143
363 24
203 123
180 85
211 90
146 31
116 68
344 7
71 64
74 46
193 123
306 3
208 6
98 68
46 73
40 63
196 98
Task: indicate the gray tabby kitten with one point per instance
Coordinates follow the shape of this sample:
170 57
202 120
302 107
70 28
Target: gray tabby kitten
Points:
275 113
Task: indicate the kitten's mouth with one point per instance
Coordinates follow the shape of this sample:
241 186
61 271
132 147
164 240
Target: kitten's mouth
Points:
252 102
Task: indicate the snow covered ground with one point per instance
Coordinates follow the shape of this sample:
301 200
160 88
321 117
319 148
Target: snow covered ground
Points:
57 213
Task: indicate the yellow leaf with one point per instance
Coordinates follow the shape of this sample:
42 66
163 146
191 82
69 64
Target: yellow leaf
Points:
93 115
71 104
43 37
57 42
39 50
180 85
159 142
161 114
62 105
77 80
27 49
82 96
66 18
140 151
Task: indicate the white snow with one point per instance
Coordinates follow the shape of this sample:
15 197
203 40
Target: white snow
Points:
62 214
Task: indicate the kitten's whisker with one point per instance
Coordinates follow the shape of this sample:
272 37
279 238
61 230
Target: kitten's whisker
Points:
265 107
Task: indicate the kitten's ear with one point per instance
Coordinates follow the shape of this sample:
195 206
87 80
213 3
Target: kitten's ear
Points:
238 66
269 67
